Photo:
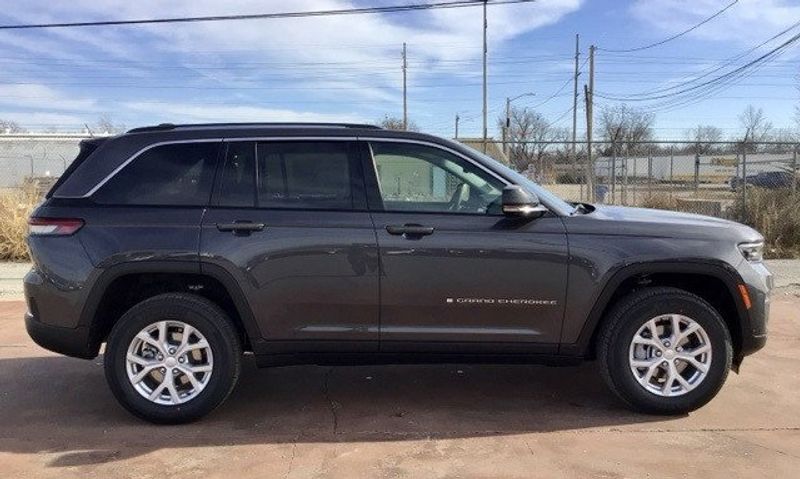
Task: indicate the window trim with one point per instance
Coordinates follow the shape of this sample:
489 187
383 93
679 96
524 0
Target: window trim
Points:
140 153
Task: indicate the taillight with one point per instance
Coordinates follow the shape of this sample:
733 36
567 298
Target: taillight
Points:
53 226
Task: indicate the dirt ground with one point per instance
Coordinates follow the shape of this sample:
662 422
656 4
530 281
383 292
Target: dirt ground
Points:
58 419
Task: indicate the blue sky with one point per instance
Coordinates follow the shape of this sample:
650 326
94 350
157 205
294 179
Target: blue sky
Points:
348 68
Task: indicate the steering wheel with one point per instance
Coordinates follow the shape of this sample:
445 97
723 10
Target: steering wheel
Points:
458 197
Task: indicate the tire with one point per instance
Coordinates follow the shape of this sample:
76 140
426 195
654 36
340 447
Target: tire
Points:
185 400
629 320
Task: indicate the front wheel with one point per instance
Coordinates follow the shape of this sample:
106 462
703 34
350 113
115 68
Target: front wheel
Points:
172 358
665 351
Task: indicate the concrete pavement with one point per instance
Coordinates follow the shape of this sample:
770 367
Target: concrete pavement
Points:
58 420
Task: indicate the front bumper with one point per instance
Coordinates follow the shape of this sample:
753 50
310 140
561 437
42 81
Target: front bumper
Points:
759 283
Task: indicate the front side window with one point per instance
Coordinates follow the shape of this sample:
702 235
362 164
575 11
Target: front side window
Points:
178 174
422 178
292 174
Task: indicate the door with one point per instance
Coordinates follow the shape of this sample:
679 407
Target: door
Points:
457 275
289 222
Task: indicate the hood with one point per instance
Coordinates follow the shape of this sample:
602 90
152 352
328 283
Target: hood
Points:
621 220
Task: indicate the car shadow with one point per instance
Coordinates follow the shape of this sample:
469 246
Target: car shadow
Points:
62 405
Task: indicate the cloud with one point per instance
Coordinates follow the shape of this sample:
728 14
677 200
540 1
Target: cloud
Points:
42 96
187 113
747 22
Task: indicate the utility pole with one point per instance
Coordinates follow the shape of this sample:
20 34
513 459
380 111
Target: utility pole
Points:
507 126
575 98
589 93
405 89
485 79
457 118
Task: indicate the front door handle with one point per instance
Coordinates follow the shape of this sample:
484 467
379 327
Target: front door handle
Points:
409 230
241 227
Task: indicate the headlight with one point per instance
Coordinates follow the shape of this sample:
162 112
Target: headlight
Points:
753 252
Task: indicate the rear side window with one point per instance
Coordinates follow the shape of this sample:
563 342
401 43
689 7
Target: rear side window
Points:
170 175
296 174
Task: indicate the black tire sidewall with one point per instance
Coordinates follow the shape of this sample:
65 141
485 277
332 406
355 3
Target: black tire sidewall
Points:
633 319
200 314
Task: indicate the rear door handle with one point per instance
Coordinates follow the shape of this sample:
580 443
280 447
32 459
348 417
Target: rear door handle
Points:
409 230
241 227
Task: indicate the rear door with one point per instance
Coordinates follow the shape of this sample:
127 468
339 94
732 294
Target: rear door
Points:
457 275
289 222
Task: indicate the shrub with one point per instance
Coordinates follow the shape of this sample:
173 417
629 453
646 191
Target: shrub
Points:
15 207
775 214
659 201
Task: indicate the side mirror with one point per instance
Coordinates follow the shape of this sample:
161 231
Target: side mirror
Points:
520 203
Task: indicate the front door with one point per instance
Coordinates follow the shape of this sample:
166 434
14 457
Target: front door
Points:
456 275
289 222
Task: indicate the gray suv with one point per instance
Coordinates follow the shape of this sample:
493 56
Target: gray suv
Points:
181 247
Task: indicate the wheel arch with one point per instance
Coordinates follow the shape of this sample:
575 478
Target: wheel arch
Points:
715 282
135 282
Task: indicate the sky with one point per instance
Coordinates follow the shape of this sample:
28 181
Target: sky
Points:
348 68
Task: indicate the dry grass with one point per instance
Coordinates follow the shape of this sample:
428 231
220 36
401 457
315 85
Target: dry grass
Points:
776 215
15 207
659 201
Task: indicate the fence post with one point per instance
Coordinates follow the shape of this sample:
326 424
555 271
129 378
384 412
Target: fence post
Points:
624 191
696 173
635 178
613 173
649 171
744 182
794 170
671 170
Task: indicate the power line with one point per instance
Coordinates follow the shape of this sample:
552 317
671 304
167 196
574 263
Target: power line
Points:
265 16
673 37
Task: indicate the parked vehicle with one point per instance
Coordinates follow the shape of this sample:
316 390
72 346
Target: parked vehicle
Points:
765 179
182 246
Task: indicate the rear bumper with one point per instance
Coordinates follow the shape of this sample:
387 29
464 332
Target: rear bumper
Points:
68 341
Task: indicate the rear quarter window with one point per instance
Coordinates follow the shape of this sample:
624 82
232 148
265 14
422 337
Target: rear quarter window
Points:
178 174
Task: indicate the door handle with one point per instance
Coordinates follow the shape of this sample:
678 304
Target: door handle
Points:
241 227
409 230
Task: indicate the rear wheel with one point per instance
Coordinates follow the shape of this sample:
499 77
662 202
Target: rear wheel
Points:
173 358
665 351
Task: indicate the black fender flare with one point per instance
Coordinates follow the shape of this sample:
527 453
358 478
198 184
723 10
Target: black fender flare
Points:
717 269
107 276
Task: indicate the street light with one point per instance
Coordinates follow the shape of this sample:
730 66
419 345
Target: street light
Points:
507 128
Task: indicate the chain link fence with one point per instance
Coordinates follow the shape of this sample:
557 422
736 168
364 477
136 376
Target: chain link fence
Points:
712 178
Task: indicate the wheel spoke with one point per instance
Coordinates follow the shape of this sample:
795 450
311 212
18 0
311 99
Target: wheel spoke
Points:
687 332
682 381
147 339
159 389
648 342
190 376
651 325
202 344
675 320
694 362
173 392
199 368
705 348
644 363
143 373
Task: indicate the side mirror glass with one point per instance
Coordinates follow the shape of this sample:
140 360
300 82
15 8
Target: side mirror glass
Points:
519 202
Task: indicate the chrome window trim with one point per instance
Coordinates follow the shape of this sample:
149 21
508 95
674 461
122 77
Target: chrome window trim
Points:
367 139
138 154
438 146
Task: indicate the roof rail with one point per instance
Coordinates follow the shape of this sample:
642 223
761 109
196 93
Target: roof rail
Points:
171 126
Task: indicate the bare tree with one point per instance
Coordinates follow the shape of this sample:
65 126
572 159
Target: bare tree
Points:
394 123
529 138
756 128
702 138
625 127
105 125
8 126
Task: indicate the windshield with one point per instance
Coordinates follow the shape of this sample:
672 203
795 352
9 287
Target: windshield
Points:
549 199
